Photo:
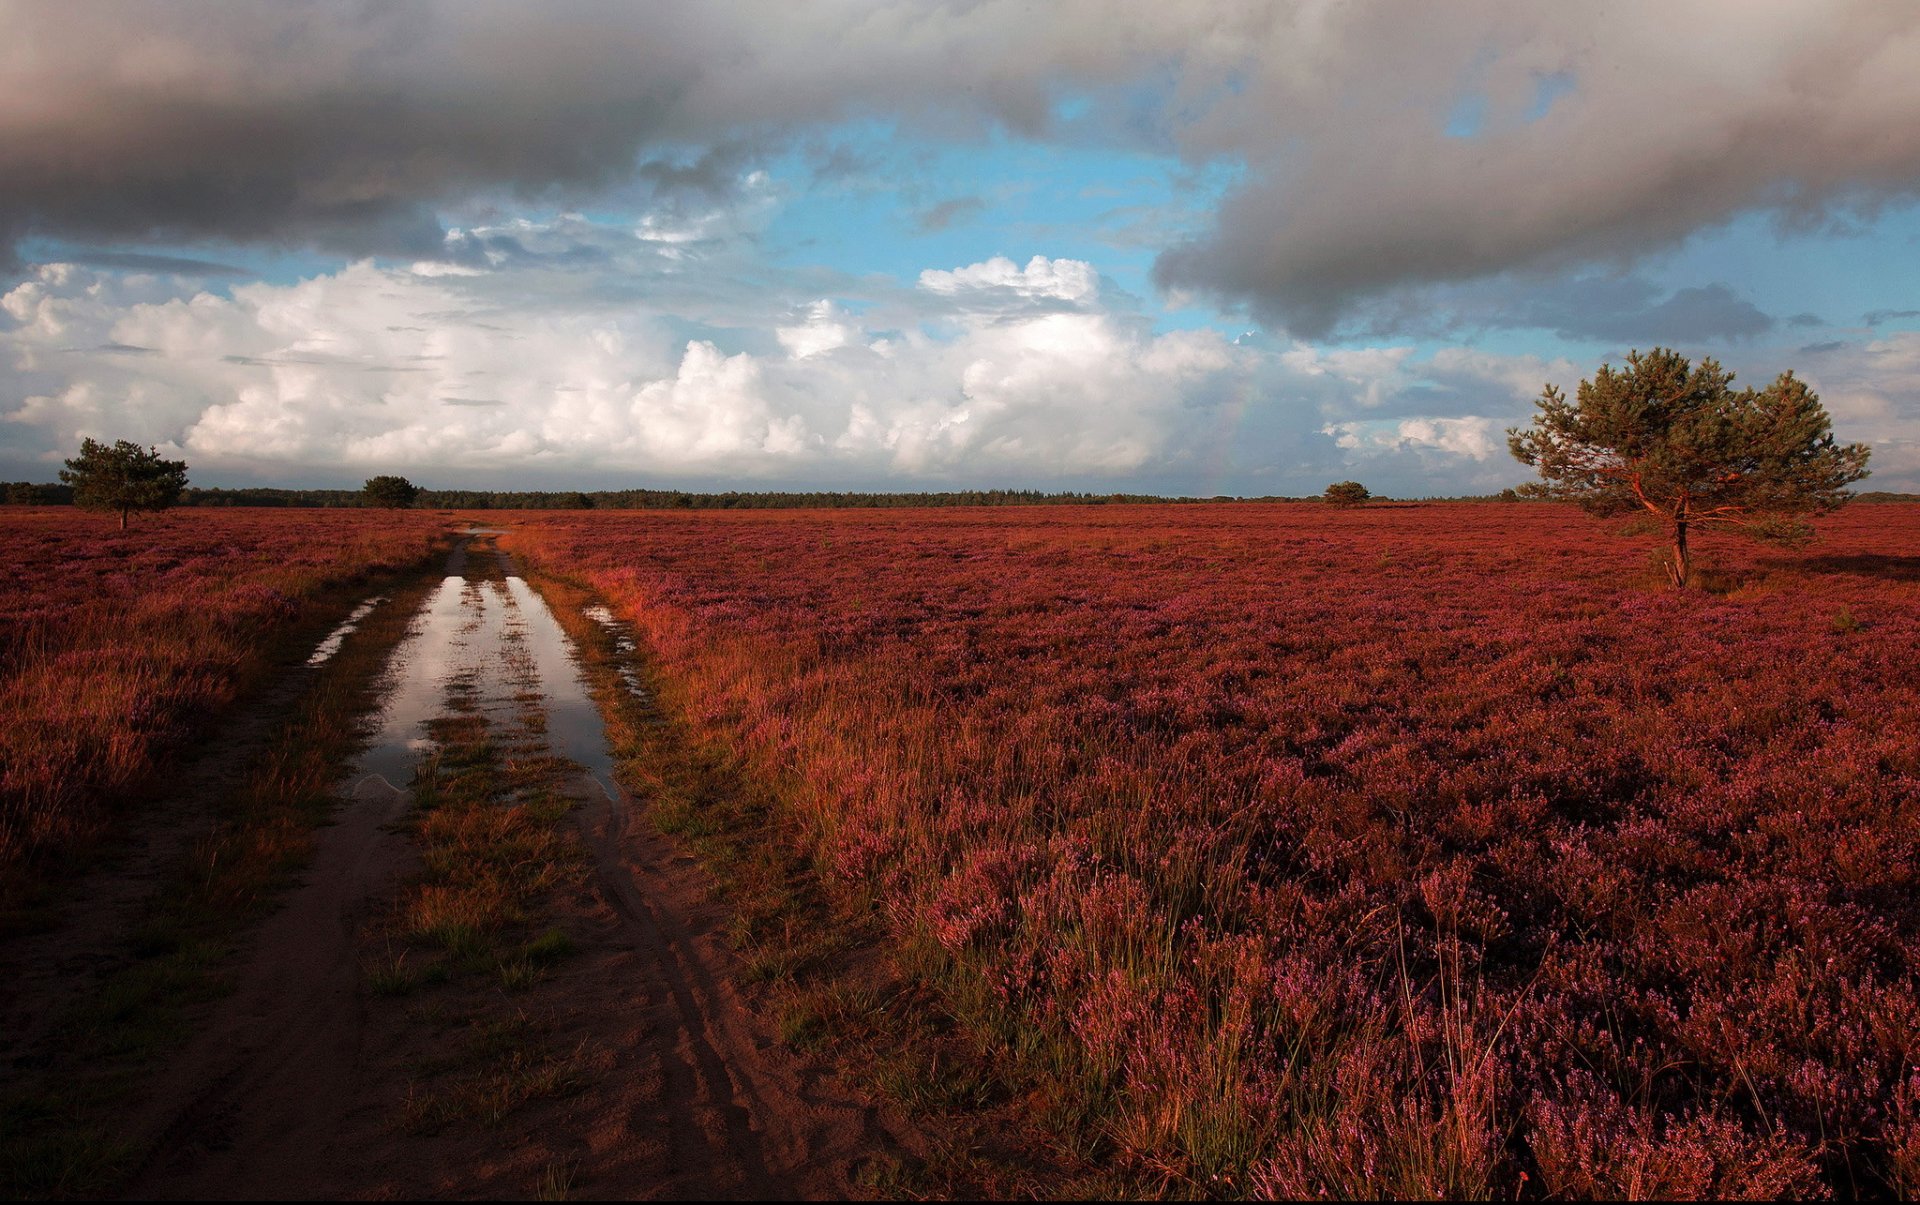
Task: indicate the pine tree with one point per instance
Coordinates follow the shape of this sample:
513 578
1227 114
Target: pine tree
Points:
1673 441
395 493
125 477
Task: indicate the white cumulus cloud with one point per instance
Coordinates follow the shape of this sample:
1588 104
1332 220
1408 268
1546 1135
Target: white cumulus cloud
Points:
1058 279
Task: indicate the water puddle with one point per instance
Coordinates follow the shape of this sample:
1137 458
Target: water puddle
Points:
486 646
348 626
623 643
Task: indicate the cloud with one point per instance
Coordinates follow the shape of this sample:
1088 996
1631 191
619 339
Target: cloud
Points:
140 261
1475 438
943 214
1604 307
1629 309
351 128
1798 111
1880 317
373 367
1042 279
1872 389
524 375
567 351
822 331
368 128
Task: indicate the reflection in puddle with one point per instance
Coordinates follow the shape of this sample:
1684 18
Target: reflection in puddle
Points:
484 646
417 674
335 638
623 644
574 727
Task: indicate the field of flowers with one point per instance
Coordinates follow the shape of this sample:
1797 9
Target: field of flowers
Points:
117 646
1412 850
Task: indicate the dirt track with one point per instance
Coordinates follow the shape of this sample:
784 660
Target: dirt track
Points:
301 1083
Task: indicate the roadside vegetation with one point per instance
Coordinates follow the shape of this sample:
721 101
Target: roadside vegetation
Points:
814 957
117 648
64 1110
1279 851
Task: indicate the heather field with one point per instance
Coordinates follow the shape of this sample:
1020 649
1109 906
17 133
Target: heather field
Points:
117 646
1412 850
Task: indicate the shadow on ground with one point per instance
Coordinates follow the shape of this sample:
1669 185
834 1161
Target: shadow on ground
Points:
1890 568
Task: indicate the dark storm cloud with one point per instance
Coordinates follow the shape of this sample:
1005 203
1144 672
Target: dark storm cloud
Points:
1361 192
355 127
335 126
139 261
707 177
345 126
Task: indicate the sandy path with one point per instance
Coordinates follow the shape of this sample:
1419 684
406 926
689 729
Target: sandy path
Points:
295 1085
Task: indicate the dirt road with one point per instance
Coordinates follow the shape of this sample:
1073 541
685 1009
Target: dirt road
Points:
634 1068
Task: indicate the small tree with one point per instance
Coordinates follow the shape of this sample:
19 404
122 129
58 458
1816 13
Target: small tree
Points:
1347 493
1674 443
394 493
125 477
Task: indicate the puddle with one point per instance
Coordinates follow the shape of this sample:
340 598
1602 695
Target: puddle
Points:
486 644
623 643
350 624
574 727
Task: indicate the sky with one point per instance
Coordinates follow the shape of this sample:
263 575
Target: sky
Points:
1188 248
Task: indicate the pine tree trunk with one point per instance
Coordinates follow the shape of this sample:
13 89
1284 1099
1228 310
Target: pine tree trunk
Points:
1682 568
123 518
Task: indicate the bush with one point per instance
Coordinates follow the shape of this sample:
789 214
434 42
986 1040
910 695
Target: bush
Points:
1347 493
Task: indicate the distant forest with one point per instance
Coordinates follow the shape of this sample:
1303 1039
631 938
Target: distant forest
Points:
26 493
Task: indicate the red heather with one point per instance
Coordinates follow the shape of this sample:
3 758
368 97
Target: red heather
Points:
1432 850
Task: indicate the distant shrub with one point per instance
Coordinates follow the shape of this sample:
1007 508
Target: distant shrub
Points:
1347 493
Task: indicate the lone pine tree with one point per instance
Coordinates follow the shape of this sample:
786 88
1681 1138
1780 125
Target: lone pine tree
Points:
1674 442
125 477
395 493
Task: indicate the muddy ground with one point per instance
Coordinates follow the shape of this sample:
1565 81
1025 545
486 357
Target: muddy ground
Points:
354 1058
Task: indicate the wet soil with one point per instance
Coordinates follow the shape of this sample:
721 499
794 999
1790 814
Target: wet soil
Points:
658 1078
44 972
